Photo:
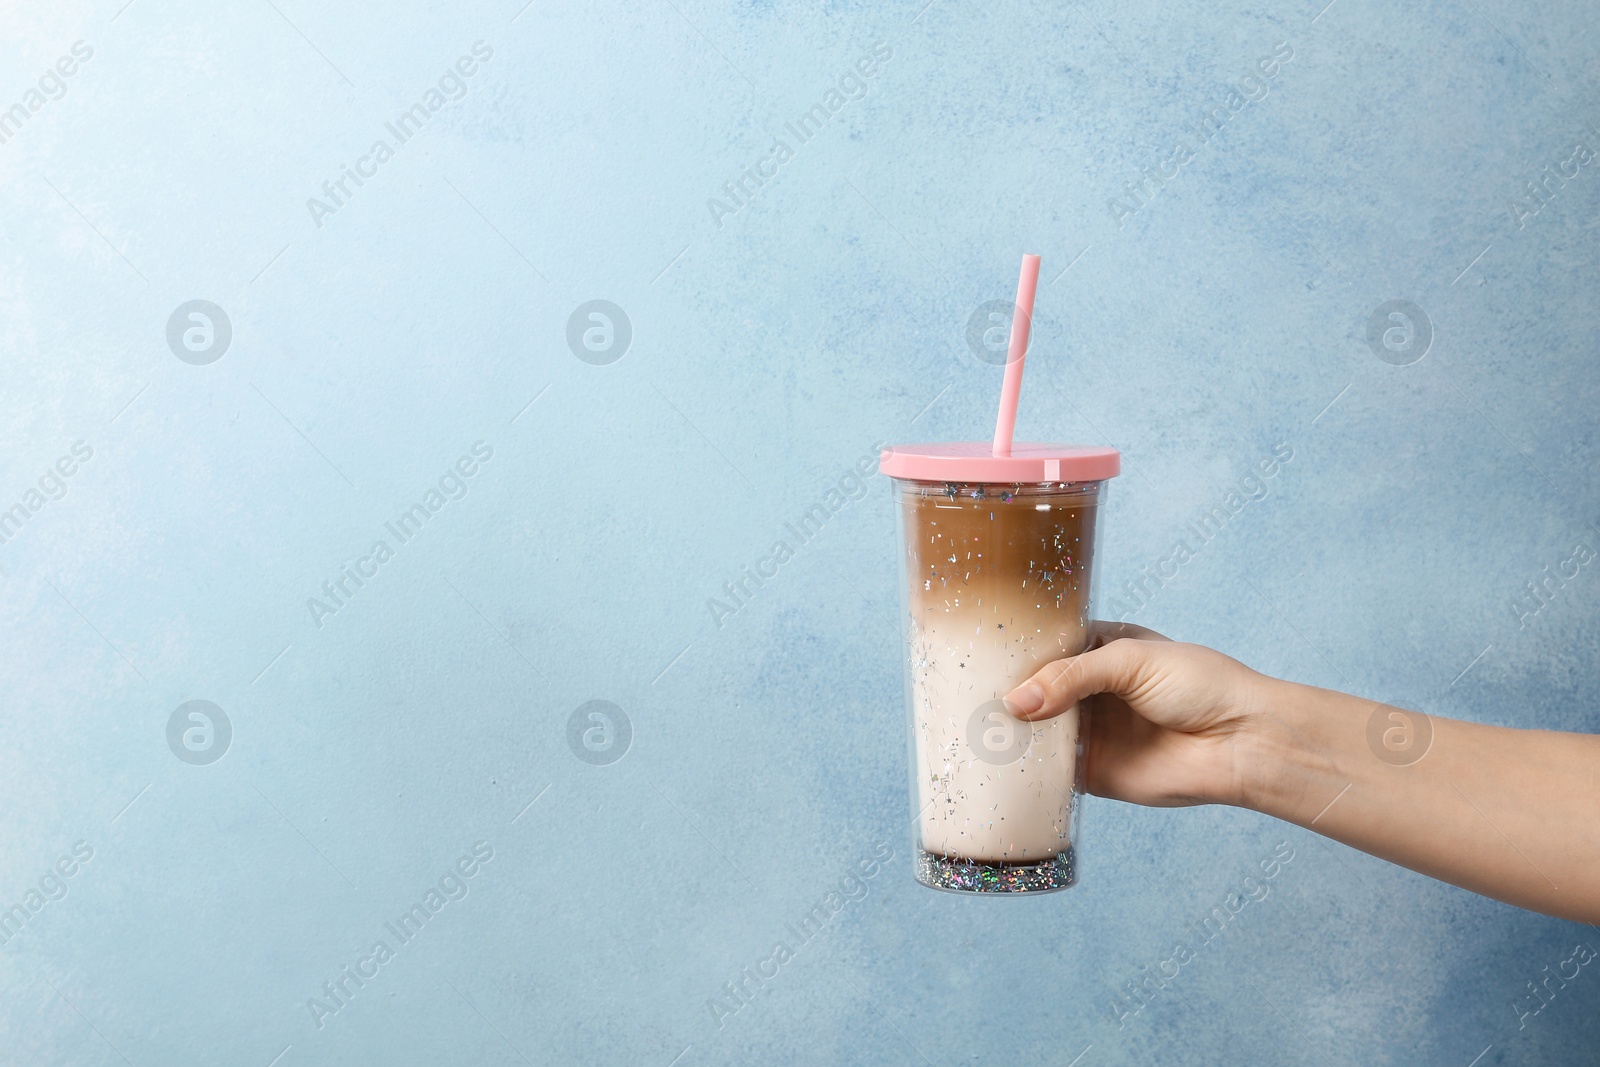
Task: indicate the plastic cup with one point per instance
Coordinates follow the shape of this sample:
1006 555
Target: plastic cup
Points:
995 571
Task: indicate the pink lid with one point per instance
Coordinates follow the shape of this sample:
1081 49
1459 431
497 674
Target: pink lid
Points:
975 461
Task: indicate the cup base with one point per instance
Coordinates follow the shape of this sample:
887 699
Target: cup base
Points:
955 875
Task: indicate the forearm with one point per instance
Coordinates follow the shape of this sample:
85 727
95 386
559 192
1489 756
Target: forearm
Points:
1511 814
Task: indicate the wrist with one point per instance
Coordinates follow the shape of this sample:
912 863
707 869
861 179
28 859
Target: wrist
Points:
1290 753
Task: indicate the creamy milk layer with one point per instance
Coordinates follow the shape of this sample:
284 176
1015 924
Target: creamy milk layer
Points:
998 586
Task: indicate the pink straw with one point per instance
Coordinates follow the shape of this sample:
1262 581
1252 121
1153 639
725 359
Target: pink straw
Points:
1021 324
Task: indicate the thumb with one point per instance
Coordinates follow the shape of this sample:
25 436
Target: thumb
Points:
1116 667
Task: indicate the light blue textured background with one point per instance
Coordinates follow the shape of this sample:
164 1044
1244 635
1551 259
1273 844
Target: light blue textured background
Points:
1227 315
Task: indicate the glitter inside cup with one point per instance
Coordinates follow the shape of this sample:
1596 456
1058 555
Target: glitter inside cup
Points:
995 584
966 876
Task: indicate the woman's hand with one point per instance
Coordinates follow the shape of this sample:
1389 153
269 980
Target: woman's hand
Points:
1503 812
1168 723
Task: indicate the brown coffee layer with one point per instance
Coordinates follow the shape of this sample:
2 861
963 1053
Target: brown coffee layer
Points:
1018 557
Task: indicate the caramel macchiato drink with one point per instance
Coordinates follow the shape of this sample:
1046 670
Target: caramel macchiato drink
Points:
995 584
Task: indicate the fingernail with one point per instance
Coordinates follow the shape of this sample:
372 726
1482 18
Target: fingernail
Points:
1025 699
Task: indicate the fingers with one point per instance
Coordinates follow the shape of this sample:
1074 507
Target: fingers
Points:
1116 667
